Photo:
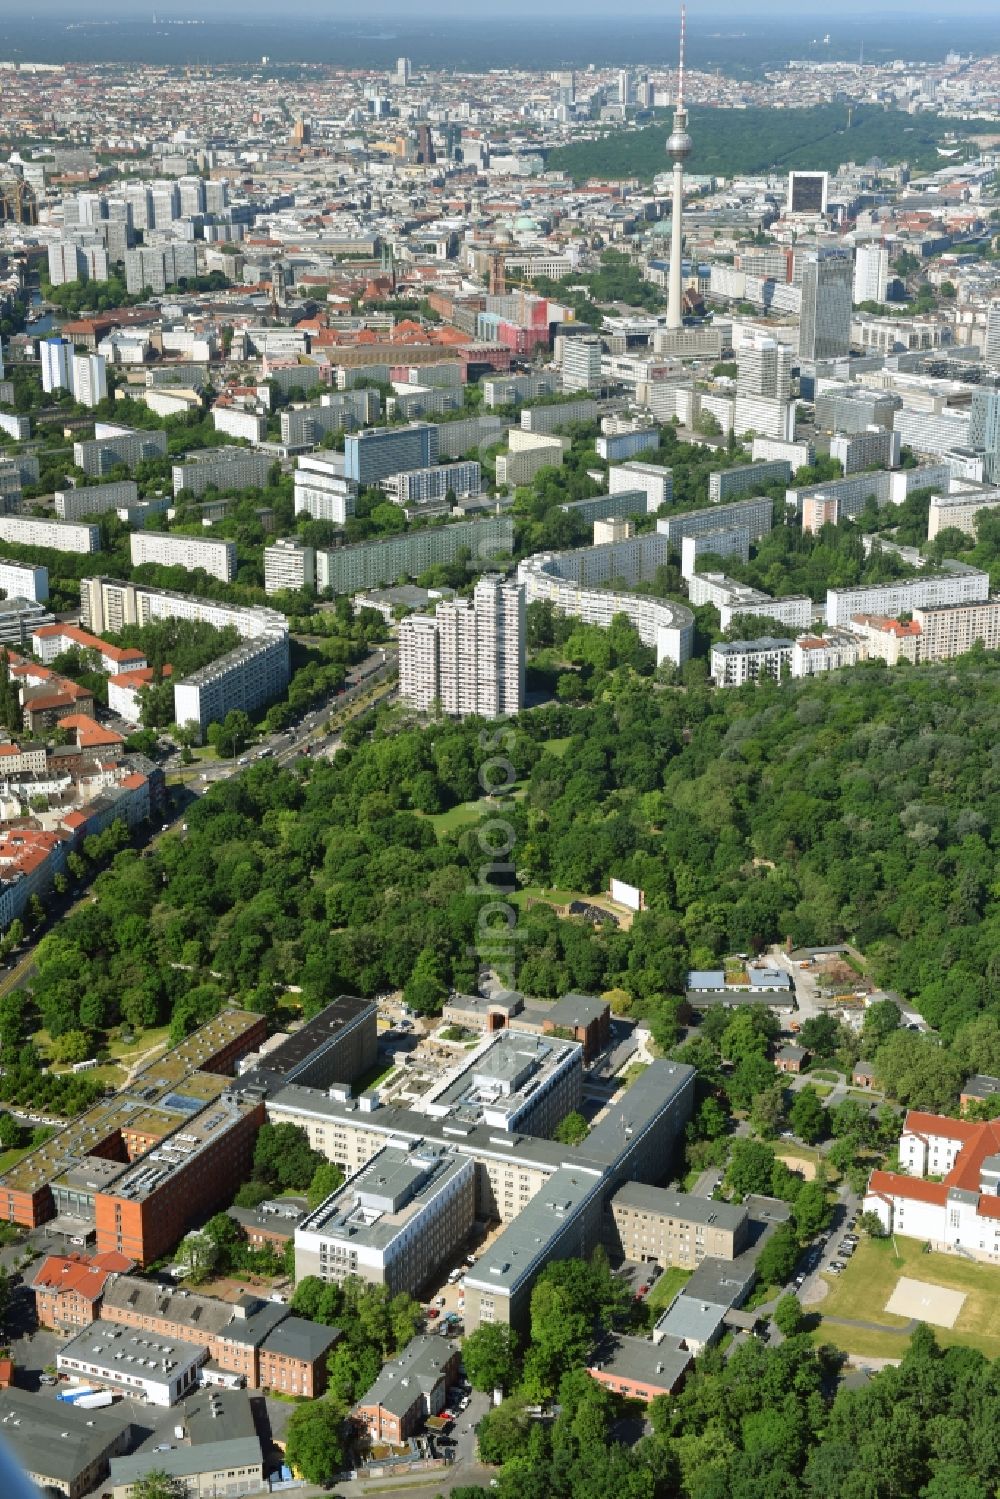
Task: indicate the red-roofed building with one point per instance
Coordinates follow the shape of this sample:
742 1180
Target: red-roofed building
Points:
45 708
89 734
29 861
50 641
68 1288
958 1211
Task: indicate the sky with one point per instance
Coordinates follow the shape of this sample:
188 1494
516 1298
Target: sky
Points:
730 10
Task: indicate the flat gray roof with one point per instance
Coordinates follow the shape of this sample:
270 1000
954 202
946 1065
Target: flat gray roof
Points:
686 1205
119 1351
980 1086
187 1462
690 1317
526 1239
653 1091
577 1009
659 1364
386 1196
54 1439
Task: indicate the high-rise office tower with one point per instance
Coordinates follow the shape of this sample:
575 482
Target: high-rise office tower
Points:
90 378
825 321
1 358
984 430
56 355
992 347
380 451
871 273
678 149
468 657
566 86
404 71
625 94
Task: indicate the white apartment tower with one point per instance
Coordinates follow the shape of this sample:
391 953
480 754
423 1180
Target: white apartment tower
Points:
90 379
764 368
992 349
871 273
468 657
581 363
56 356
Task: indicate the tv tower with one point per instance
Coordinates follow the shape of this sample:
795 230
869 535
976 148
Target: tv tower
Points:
678 149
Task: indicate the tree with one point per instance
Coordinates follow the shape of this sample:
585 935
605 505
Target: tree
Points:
711 1121
572 1130
871 1224
314 1441
503 1432
807 1115
284 1157
490 1357
426 990
778 1257
820 1035
326 1179
200 1253
750 1166
788 1315
157 1484
881 1019
811 1210
768 1111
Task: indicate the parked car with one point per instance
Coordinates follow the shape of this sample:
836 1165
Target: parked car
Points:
851 1239
836 1266
439 1301
433 1312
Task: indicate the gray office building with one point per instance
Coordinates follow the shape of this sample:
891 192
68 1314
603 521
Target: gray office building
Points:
825 319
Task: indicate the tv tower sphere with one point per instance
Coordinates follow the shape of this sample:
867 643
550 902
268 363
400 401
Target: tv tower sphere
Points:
679 143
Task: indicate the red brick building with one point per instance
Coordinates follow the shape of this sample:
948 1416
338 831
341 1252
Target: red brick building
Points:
68 1289
409 1389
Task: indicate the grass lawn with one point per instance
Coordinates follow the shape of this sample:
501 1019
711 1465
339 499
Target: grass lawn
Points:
127 1052
557 747
827 1074
465 814
377 1074
10 1158
563 897
862 1291
666 1288
457 817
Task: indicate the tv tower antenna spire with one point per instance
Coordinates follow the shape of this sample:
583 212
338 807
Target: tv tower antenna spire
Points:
678 149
